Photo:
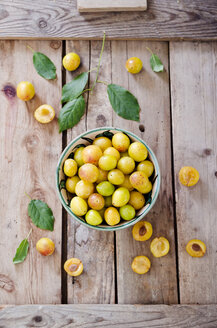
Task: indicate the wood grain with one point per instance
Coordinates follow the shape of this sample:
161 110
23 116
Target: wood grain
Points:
120 316
29 153
94 248
164 20
110 5
152 92
194 99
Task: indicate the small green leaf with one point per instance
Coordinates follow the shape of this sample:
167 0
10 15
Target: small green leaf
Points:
44 66
74 88
106 134
79 146
156 64
87 139
21 252
62 184
41 214
71 113
123 102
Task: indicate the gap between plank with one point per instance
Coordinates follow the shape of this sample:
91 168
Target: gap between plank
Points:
173 181
64 299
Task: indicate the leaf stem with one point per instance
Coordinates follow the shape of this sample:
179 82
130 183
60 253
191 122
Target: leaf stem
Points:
30 231
30 48
106 83
151 52
27 195
92 69
98 67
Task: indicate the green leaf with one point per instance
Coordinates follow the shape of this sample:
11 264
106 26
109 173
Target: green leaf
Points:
71 113
21 252
62 184
74 88
123 102
44 66
156 64
106 134
41 214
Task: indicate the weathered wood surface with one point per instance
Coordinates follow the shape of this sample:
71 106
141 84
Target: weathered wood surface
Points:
94 248
110 5
29 153
164 20
194 101
120 316
152 92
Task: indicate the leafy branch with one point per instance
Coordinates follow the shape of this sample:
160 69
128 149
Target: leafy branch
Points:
121 100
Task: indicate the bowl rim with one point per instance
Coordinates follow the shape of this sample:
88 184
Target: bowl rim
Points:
127 223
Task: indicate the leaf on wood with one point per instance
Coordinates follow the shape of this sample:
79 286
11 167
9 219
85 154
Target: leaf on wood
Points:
41 214
71 113
156 64
44 66
74 88
21 252
123 102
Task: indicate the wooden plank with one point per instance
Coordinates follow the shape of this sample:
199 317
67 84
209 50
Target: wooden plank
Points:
194 91
121 316
164 20
29 154
152 92
110 5
94 248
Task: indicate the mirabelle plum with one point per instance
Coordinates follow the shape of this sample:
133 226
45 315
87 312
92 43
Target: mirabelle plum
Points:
78 206
93 217
142 231
133 65
112 151
112 216
44 114
70 167
126 164
139 181
196 248
120 141
25 90
45 246
96 201
71 183
127 212
188 176
88 172
141 264
74 267
138 151
116 177
105 188
126 183
107 162
159 246
84 189
78 156
91 154
103 176
71 61
120 197
147 167
137 200
102 142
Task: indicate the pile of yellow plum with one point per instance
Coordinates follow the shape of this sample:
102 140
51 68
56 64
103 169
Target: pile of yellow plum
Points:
108 179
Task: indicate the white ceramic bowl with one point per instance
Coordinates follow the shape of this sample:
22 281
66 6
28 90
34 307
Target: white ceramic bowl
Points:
84 139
